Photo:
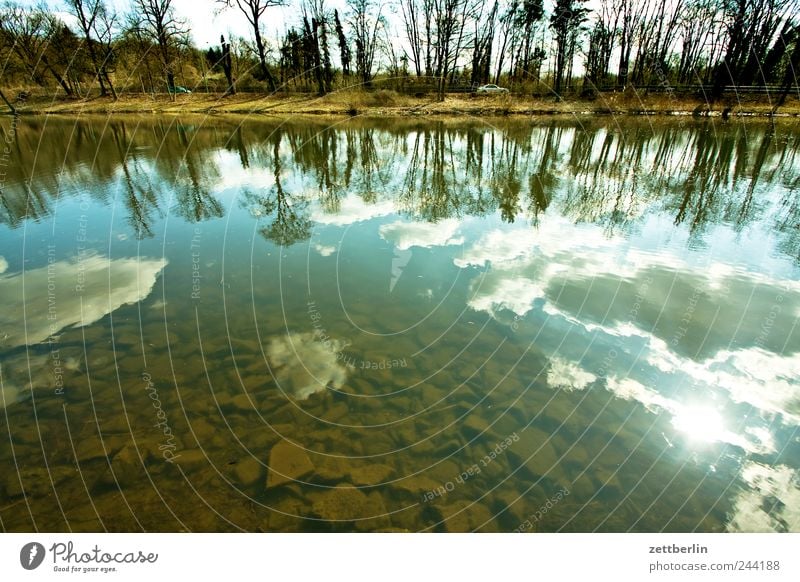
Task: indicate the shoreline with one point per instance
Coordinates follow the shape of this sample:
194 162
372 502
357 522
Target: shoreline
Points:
388 104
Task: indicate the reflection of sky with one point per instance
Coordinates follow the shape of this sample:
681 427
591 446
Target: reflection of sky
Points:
726 375
607 293
39 303
570 287
304 364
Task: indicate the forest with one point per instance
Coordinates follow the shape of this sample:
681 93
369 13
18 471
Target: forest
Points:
554 48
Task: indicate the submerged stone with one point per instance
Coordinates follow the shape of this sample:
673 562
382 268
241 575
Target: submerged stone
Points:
373 474
248 471
463 516
349 503
287 463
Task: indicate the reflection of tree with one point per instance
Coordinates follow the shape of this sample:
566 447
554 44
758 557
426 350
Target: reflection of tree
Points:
290 221
194 173
787 221
431 190
195 200
542 181
709 180
598 173
141 198
506 184
608 187
238 144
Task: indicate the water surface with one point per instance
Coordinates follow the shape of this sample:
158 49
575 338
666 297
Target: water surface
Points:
220 325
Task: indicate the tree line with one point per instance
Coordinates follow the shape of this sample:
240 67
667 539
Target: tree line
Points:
532 46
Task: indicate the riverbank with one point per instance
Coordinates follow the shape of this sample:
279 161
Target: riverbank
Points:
388 103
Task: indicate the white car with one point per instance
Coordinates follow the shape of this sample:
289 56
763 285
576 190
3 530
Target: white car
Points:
491 89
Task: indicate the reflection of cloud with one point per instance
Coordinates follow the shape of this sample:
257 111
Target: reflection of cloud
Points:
3 265
22 373
629 389
754 376
497 291
771 501
565 374
405 235
596 282
353 209
232 176
515 247
324 250
523 262
9 394
39 303
698 422
304 364
684 317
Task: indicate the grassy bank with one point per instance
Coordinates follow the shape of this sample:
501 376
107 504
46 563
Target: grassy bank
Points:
389 103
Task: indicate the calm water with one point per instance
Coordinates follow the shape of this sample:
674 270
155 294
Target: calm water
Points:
217 325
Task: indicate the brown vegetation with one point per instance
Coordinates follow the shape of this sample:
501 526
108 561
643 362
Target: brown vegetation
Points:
390 103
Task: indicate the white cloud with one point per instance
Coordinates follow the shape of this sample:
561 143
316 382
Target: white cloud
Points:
497 291
353 209
776 489
304 364
697 422
765 380
523 262
405 235
39 303
568 375
324 250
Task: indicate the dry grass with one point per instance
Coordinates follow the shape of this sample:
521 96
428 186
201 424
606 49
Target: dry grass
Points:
385 103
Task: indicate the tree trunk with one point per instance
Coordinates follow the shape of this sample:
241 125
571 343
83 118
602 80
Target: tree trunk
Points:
790 79
227 66
57 75
262 58
95 65
7 102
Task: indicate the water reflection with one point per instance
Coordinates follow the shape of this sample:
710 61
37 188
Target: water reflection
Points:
702 174
396 298
38 303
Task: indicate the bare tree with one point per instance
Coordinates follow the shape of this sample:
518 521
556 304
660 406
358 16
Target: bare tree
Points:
96 24
253 11
419 24
450 17
567 16
316 43
482 40
750 25
601 47
366 20
157 21
344 48
696 28
29 32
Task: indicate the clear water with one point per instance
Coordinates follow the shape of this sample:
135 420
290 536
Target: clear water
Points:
212 324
